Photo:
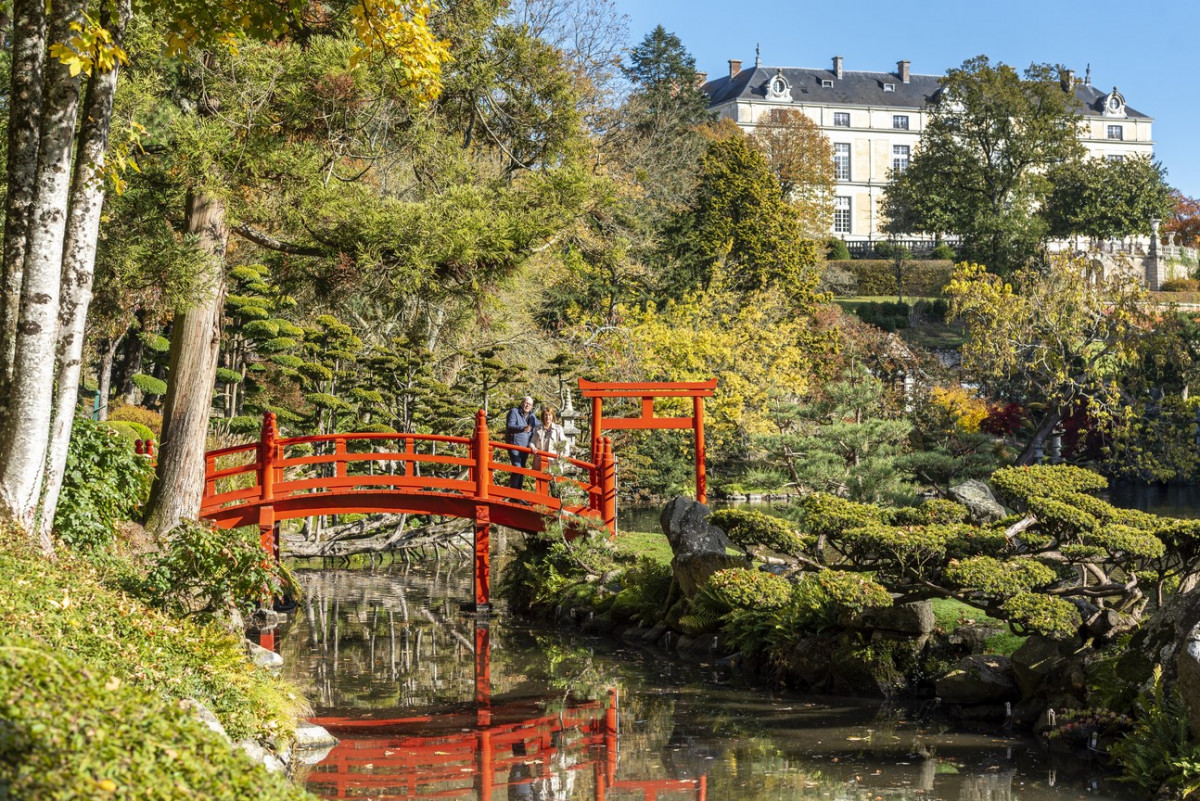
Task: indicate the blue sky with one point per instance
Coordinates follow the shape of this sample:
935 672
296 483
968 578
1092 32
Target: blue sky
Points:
1145 49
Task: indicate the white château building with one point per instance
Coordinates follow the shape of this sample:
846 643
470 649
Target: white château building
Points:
874 121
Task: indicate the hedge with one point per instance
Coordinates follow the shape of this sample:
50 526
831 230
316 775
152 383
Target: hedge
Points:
878 276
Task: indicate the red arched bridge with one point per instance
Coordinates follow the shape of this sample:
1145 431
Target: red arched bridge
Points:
279 478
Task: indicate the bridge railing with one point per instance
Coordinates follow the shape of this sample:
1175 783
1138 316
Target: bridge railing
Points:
277 468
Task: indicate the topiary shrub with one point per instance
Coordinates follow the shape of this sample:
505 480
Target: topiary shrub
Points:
1030 613
830 515
999 579
1180 285
934 511
149 384
137 414
836 250
748 529
1020 484
104 483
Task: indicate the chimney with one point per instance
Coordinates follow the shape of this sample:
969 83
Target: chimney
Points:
735 66
902 71
1068 80
701 79
837 66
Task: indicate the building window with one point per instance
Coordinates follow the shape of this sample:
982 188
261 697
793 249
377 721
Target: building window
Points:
889 87
1115 157
900 122
841 161
841 119
841 215
899 158
827 84
1116 132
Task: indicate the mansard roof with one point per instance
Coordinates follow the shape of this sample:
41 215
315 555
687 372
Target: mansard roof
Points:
856 88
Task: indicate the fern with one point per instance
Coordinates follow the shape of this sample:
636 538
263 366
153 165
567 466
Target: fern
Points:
1160 749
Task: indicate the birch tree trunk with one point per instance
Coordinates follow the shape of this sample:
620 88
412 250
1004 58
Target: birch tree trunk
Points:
78 268
195 344
105 377
24 128
31 391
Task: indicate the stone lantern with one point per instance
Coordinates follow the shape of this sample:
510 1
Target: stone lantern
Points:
569 416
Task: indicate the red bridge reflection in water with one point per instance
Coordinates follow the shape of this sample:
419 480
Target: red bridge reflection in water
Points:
525 749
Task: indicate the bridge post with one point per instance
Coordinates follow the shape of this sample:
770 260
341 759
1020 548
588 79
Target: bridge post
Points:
483 455
483 557
267 447
606 466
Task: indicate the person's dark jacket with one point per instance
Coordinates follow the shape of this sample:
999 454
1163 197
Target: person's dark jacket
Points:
518 418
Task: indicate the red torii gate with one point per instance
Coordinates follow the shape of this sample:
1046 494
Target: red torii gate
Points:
648 391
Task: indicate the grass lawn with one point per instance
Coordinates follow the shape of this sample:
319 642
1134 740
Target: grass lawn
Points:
949 614
632 544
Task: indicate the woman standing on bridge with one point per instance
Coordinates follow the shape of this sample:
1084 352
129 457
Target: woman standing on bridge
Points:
547 438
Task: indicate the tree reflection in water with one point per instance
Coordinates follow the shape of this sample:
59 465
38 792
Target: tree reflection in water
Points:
429 705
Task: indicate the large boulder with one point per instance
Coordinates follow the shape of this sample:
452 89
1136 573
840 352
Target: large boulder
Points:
910 618
692 570
980 501
1043 666
980 679
699 546
685 522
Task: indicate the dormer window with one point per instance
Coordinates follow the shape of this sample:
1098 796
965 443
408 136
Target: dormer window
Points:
1114 104
826 83
889 87
778 87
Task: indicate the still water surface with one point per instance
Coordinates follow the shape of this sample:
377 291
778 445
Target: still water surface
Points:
428 705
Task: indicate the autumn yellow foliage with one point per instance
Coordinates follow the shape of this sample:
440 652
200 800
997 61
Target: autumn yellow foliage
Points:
755 344
966 410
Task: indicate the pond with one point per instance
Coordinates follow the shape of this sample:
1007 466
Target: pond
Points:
431 704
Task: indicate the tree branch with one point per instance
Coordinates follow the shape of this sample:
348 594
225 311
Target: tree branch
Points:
271 243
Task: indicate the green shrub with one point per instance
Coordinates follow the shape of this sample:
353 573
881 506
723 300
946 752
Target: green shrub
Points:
137 414
748 528
205 571
888 316
1039 481
104 483
149 384
943 252
74 733
878 276
934 311
932 511
1180 285
1029 613
742 588
999 579
831 515
91 682
130 431
836 250
819 599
